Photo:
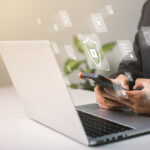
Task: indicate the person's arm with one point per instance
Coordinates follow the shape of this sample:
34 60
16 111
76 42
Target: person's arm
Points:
134 67
104 98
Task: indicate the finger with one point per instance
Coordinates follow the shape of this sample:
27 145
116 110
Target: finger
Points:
97 89
135 95
112 95
106 101
105 93
125 84
108 95
99 100
126 102
104 106
139 80
108 106
131 95
110 102
80 75
138 84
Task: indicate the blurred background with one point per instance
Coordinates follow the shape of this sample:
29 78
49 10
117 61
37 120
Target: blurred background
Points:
41 20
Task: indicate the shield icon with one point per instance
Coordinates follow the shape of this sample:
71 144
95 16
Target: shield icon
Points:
92 50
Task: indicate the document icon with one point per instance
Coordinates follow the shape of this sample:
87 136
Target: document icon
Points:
65 18
126 49
98 22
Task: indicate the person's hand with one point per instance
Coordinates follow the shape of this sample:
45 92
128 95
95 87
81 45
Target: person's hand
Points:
108 100
142 83
122 80
105 99
139 100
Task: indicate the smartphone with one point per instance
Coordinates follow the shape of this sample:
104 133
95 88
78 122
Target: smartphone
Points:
102 81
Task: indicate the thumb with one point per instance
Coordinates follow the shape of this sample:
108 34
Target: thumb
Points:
138 84
125 84
123 81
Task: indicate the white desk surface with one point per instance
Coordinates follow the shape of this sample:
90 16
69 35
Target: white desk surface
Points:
18 132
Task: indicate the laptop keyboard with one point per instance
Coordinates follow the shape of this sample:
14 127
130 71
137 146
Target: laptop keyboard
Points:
97 127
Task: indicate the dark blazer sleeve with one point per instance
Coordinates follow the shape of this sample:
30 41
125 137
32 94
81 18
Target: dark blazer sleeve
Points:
134 67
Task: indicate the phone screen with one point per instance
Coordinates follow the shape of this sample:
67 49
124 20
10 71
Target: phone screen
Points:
102 81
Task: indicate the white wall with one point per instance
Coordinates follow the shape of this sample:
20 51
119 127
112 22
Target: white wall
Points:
17 22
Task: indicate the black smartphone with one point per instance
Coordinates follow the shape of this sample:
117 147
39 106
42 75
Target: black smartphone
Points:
102 81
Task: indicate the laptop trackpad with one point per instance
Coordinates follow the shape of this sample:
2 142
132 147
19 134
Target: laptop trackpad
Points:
122 116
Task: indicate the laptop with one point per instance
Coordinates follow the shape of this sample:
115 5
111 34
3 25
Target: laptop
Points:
39 82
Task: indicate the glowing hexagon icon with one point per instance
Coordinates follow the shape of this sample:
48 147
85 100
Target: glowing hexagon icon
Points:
93 52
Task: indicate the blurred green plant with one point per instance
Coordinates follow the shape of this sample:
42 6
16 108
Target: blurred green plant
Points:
71 65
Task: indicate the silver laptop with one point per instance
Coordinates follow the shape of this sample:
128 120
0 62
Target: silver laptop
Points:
40 84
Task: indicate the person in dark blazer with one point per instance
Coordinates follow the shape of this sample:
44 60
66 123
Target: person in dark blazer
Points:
138 100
